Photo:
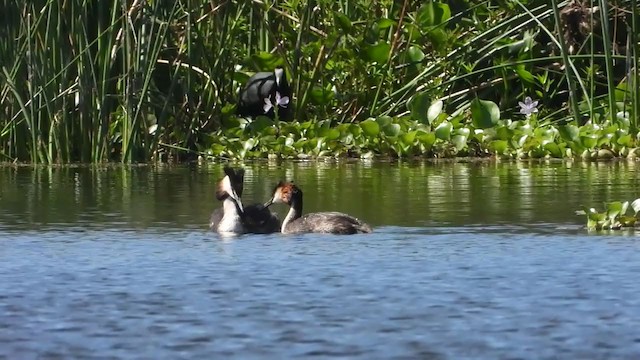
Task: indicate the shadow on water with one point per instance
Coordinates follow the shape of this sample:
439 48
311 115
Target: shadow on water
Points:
384 194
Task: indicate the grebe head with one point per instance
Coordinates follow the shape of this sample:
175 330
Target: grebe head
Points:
284 192
231 186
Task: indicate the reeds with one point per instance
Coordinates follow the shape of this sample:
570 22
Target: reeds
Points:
138 81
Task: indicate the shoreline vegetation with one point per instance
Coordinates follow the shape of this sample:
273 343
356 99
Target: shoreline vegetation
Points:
145 81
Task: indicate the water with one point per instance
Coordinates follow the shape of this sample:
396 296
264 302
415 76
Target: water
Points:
467 261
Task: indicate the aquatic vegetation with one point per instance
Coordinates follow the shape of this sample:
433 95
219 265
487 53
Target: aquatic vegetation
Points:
143 81
614 217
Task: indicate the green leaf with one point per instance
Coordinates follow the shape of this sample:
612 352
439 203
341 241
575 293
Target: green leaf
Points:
434 110
443 131
459 141
408 138
370 127
260 123
392 130
384 120
524 75
499 146
484 113
569 132
418 106
554 150
426 138
626 140
438 37
589 141
321 96
432 14
267 60
415 54
329 133
343 22
613 209
379 52
385 23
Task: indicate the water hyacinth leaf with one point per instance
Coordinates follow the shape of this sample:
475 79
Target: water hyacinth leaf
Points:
626 140
343 22
635 205
408 138
261 123
321 96
499 146
415 54
627 221
463 131
332 134
392 130
569 132
484 113
438 38
426 138
434 110
249 144
267 60
625 206
554 150
432 14
385 23
379 52
459 141
355 130
418 106
370 127
384 120
443 131
613 209
504 133
589 141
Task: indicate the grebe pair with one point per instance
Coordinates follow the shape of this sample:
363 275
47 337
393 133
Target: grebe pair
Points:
233 218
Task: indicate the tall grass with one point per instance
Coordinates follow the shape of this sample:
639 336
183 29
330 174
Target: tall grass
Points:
135 80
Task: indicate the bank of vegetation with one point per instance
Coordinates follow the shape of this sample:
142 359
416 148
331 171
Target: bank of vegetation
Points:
138 81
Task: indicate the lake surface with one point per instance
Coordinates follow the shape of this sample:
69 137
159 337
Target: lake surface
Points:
467 261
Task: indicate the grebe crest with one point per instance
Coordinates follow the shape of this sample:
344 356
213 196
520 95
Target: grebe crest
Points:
321 222
285 192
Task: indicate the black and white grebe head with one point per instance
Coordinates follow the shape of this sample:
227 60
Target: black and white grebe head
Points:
253 218
233 210
320 222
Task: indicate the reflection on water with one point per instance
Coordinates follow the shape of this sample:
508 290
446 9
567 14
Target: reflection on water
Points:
383 194
468 261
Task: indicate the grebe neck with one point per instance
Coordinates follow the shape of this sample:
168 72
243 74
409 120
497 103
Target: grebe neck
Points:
295 211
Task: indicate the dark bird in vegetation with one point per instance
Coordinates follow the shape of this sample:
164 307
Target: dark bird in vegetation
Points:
233 217
320 222
264 94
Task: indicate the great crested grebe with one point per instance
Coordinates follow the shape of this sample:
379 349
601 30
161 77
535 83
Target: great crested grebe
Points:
320 222
254 218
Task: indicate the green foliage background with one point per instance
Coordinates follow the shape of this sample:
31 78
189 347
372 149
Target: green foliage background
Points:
137 81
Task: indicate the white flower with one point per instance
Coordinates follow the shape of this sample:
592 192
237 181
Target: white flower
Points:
281 101
528 107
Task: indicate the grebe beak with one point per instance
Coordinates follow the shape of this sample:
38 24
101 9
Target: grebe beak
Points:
268 203
235 197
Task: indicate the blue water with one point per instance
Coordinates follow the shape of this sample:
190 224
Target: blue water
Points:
466 262
450 293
